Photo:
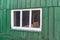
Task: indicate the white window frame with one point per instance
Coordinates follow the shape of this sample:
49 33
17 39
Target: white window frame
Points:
26 28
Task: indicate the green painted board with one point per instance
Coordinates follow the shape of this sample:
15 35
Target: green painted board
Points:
43 3
8 4
33 3
4 4
57 23
51 19
23 4
55 2
28 3
11 4
4 21
19 3
49 2
1 4
38 3
45 24
0 21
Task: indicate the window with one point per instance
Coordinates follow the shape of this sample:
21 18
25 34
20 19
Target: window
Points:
26 19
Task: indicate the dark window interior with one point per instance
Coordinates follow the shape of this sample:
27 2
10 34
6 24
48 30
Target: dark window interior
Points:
16 18
35 18
25 18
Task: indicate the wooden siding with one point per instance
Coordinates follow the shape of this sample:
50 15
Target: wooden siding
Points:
13 4
51 20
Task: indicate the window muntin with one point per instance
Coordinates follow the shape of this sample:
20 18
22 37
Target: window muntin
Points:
28 25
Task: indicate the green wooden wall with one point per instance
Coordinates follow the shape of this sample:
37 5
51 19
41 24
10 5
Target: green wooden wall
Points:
50 25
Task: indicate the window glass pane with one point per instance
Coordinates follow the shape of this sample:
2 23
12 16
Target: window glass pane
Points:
35 19
16 18
25 18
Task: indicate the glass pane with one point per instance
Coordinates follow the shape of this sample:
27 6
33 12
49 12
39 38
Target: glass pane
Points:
16 18
35 19
25 19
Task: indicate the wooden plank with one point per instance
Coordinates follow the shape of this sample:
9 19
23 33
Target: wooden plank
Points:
12 4
23 4
4 4
8 20
51 19
1 4
55 2
8 4
45 28
58 2
49 2
57 24
4 21
15 4
43 3
33 3
0 21
28 3
37 35
40 35
19 3
38 3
